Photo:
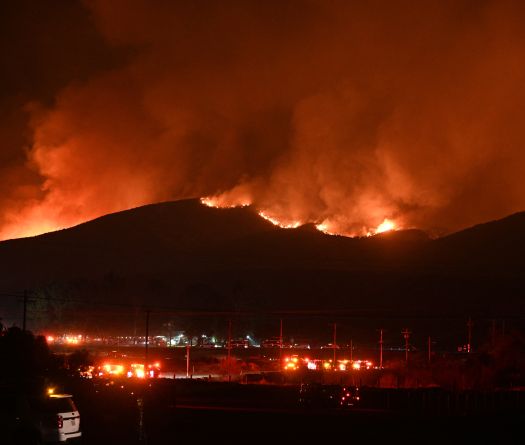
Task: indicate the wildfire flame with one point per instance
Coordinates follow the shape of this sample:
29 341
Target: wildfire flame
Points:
386 226
330 228
276 222
219 203
326 227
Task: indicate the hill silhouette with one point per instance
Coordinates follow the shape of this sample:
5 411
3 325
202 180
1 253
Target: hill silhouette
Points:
192 257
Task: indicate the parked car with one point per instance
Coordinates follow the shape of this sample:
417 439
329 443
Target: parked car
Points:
330 346
301 345
239 343
36 419
60 419
273 342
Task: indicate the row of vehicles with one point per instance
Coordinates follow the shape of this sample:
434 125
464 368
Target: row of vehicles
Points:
295 362
121 369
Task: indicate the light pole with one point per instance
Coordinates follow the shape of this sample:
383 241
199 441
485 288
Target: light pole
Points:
169 325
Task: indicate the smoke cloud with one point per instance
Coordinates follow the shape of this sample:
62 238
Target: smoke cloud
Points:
335 112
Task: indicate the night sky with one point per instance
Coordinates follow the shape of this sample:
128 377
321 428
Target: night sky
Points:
335 112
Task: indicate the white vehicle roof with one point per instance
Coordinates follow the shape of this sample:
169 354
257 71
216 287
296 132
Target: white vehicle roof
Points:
60 396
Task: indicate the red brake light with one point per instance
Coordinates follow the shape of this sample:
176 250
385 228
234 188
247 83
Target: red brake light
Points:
60 422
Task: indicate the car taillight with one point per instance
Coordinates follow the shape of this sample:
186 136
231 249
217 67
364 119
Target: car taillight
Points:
60 422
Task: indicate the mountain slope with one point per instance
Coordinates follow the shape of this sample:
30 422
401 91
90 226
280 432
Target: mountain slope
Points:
185 255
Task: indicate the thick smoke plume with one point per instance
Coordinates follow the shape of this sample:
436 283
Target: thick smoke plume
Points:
334 112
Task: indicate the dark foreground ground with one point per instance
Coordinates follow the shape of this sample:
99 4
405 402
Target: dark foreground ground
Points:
199 412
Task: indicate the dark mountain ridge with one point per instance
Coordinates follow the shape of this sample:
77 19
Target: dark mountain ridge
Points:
189 256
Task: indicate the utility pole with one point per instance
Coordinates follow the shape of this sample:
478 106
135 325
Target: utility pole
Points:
229 349
469 334
135 326
169 325
493 334
188 347
406 335
25 311
381 349
429 348
334 344
147 339
281 339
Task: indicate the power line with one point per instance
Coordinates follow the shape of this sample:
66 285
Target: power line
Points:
177 311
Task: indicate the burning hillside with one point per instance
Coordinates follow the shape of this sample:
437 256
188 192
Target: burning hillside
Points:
326 226
359 117
188 255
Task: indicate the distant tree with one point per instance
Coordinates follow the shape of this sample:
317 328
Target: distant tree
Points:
233 366
509 360
79 360
25 359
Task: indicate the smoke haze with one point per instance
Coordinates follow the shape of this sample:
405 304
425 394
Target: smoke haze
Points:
335 112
